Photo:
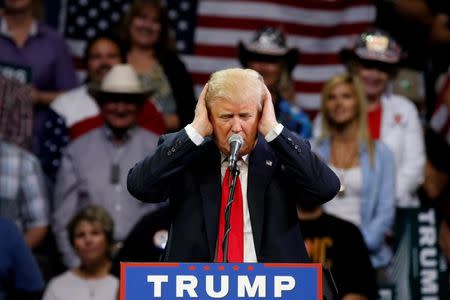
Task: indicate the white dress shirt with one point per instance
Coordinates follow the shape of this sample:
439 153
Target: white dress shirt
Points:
249 246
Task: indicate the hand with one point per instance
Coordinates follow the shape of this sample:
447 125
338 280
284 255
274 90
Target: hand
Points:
35 95
268 120
201 121
43 97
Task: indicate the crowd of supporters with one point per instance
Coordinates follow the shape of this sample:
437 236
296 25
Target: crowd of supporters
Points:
66 217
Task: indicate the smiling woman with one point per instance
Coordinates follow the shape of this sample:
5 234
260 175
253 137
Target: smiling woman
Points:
364 166
151 51
90 233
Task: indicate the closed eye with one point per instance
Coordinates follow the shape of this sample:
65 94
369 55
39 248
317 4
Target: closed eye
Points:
245 116
226 116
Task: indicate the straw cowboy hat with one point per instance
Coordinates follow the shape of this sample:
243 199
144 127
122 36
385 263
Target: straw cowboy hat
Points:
121 82
268 44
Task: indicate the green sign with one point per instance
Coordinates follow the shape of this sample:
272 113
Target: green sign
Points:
419 270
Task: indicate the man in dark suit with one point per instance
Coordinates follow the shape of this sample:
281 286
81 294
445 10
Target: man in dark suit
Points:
277 170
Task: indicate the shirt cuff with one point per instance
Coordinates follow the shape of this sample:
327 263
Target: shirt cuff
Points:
274 133
195 137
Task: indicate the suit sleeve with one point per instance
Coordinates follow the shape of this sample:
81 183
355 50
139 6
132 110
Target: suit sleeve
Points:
149 180
312 178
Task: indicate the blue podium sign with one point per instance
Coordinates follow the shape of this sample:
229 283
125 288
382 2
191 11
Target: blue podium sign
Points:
172 281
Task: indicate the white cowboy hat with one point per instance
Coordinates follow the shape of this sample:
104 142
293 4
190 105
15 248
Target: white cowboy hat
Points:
121 81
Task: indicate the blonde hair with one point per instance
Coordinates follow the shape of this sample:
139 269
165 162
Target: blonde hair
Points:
232 84
358 92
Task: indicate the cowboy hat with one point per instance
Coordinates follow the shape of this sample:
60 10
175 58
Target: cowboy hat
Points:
268 44
373 45
121 82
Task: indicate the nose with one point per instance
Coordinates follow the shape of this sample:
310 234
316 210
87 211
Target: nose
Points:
121 106
236 126
86 241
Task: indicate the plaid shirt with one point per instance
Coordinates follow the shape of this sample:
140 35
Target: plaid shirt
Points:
15 112
23 196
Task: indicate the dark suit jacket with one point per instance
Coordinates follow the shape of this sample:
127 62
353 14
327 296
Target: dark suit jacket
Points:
280 174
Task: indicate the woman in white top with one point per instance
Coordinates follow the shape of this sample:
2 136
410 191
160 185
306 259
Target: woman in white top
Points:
90 233
392 118
364 166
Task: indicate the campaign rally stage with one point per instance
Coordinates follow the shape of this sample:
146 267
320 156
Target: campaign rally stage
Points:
220 281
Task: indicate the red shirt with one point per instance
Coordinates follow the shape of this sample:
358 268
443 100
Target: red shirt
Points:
374 119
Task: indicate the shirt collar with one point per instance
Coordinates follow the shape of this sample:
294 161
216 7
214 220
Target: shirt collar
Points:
224 158
109 134
4 29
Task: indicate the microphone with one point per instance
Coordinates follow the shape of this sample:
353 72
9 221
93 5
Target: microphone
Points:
236 142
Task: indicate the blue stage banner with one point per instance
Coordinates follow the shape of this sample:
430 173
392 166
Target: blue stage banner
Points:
141 281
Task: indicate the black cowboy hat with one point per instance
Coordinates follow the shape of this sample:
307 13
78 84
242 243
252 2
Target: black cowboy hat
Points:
268 44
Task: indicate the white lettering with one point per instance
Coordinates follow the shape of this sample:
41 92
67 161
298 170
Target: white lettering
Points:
224 286
157 283
427 236
427 217
246 289
428 282
283 283
186 283
428 257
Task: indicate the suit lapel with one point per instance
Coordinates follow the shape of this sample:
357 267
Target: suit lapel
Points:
262 164
211 189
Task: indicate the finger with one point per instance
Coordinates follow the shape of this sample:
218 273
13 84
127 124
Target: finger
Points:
202 96
268 95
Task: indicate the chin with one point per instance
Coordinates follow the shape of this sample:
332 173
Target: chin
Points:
245 151
121 125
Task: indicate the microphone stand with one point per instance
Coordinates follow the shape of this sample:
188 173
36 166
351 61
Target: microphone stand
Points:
234 172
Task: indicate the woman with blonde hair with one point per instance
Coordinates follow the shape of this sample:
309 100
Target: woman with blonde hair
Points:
365 167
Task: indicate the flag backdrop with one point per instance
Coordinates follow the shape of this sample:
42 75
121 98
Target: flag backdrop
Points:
207 33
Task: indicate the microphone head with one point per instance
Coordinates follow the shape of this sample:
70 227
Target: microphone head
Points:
235 138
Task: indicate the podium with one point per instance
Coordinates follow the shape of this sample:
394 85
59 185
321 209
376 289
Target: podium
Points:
225 281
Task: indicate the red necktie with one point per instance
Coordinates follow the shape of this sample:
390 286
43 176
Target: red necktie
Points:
236 235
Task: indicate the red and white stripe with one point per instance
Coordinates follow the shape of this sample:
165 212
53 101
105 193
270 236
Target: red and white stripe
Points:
318 28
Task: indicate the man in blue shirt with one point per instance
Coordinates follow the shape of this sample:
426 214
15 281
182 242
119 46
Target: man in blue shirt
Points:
19 274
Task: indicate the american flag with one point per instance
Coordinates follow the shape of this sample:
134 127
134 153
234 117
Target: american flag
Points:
80 20
208 32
